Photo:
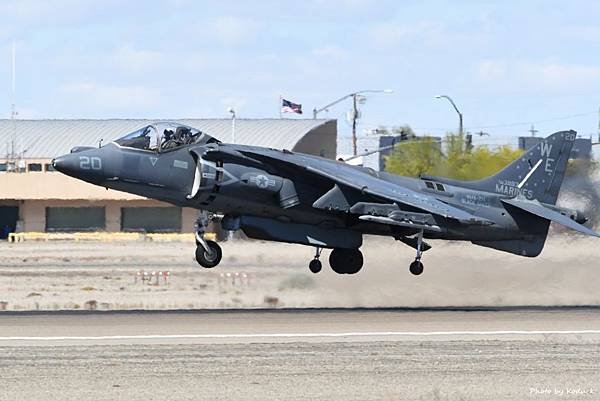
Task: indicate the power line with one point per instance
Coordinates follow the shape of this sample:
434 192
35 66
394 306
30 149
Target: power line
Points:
514 124
534 122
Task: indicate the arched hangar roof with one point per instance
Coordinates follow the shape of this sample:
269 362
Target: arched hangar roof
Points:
41 139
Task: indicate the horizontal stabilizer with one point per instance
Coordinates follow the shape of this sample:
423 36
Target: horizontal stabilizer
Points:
539 210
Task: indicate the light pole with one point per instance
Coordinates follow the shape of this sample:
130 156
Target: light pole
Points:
355 97
460 116
232 111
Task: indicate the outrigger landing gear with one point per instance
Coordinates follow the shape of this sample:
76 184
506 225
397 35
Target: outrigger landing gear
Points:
416 267
315 264
208 253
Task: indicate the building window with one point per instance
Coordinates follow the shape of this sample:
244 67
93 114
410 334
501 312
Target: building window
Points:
75 219
48 167
439 187
3 167
34 167
151 219
429 184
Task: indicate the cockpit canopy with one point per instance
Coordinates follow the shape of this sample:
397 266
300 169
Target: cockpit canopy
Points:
164 136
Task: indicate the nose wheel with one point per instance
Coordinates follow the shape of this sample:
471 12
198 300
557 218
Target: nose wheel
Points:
315 265
416 267
208 253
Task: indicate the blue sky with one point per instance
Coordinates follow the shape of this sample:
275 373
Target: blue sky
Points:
503 62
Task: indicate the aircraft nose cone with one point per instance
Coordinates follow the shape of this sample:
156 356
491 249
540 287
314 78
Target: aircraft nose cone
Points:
59 164
66 164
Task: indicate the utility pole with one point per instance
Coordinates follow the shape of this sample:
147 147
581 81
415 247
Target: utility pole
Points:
354 118
12 163
598 124
532 130
355 98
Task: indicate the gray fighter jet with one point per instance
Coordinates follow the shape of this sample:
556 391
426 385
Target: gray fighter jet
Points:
279 195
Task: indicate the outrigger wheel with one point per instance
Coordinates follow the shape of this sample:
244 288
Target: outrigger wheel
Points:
416 267
208 257
315 264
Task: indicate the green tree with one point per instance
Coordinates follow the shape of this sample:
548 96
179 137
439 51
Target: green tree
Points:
414 157
424 155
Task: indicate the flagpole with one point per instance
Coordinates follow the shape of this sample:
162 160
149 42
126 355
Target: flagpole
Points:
280 102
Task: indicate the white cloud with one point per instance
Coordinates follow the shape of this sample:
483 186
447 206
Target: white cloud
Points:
431 34
546 75
330 53
233 30
345 4
490 70
110 97
129 58
582 32
36 13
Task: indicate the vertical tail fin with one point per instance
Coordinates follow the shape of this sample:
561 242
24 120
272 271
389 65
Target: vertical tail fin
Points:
538 174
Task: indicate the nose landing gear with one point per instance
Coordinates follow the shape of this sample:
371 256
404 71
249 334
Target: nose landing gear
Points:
208 253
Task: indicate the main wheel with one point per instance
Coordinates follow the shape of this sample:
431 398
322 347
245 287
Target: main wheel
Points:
346 261
416 267
209 259
315 265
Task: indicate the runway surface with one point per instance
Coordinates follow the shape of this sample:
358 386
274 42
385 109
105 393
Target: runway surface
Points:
389 354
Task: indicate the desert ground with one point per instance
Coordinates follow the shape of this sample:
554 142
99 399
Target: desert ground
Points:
78 275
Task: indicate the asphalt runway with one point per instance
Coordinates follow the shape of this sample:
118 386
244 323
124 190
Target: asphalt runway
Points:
367 354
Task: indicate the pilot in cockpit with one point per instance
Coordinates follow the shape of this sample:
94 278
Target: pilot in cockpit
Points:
168 140
184 136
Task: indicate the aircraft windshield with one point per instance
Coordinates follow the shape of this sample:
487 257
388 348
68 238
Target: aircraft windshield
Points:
163 137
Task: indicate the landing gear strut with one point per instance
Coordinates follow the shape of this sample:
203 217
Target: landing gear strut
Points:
208 253
346 261
416 267
315 264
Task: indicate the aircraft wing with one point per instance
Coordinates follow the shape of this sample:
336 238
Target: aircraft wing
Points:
357 179
377 187
541 211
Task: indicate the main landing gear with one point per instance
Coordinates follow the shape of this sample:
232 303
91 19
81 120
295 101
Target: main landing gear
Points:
416 267
342 261
208 253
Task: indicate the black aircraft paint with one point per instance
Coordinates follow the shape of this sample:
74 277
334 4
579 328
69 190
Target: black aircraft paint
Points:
278 195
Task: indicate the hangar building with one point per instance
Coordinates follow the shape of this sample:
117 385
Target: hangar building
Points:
35 198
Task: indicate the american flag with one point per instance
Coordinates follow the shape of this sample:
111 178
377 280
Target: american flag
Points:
289 107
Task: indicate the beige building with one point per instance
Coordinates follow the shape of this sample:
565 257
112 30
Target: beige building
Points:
34 198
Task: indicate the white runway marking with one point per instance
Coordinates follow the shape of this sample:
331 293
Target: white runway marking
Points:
302 335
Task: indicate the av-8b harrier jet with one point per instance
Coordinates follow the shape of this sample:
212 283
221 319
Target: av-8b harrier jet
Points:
279 195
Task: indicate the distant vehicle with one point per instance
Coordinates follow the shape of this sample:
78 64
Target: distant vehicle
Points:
278 195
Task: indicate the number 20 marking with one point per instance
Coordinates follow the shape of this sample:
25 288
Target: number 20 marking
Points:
90 163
